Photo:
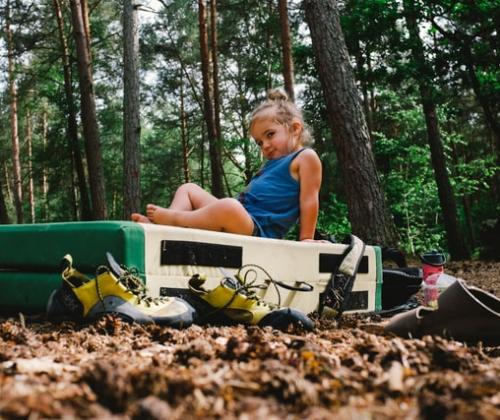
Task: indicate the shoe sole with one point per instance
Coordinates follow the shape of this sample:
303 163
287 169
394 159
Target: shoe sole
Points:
114 305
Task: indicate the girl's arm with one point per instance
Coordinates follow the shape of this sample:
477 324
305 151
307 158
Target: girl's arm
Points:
309 170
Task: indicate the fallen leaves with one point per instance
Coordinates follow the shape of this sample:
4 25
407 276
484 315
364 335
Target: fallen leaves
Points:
346 369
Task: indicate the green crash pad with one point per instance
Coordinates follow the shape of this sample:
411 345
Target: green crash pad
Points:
26 292
31 254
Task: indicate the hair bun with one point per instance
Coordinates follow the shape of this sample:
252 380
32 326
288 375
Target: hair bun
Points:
277 95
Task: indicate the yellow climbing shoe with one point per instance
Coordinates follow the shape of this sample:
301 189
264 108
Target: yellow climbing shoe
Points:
120 293
235 299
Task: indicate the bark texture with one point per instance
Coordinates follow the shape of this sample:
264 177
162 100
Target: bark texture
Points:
31 182
208 92
286 46
14 128
77 161
45 182
214 53
215 70
184 135
4 215
89 117
368 212
131 116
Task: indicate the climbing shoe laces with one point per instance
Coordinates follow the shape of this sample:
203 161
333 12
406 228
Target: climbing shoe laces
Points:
243 283
237 298
130 279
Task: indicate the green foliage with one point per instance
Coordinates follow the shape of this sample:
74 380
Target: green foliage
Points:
333 217
460 43
407 176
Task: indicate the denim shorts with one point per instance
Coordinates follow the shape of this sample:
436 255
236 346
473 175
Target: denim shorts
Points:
257 229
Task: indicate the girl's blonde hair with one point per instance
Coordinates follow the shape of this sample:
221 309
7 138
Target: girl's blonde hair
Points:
285 113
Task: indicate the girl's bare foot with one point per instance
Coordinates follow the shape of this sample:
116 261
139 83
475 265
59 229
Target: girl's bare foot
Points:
159 215
139 218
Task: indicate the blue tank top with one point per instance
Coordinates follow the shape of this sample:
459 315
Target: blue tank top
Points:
272 198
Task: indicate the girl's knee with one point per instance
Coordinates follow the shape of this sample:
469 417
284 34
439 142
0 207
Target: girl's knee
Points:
188 187
230 204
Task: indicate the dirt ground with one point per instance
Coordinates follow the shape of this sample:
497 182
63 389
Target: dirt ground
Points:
347 370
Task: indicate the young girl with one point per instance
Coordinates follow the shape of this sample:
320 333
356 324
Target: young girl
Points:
284 191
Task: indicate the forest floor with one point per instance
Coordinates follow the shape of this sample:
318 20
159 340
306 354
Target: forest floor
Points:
349 370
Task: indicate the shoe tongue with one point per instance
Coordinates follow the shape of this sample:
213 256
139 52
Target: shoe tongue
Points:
114 266
231 283
229 280
235 284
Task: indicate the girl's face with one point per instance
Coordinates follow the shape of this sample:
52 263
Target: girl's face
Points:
274 139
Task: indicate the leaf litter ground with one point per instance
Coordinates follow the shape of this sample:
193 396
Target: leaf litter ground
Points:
350 369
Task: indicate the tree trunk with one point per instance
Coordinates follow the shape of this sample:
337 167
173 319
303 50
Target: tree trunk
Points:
468 220
215 68
360 64
202 158
488 110
243 126
45 184
456 244
89 117
368 213
16 163
215 160
185 143
269 48
286 46
31 183
463 42
86 28
131 117
4 216
489 114
215 77
7 183
73 145
372 101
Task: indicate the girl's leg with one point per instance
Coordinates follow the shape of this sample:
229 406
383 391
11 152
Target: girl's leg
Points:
187 197
224 215
191 197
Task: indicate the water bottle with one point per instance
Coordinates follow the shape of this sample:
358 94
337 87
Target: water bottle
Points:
431 290
432 267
